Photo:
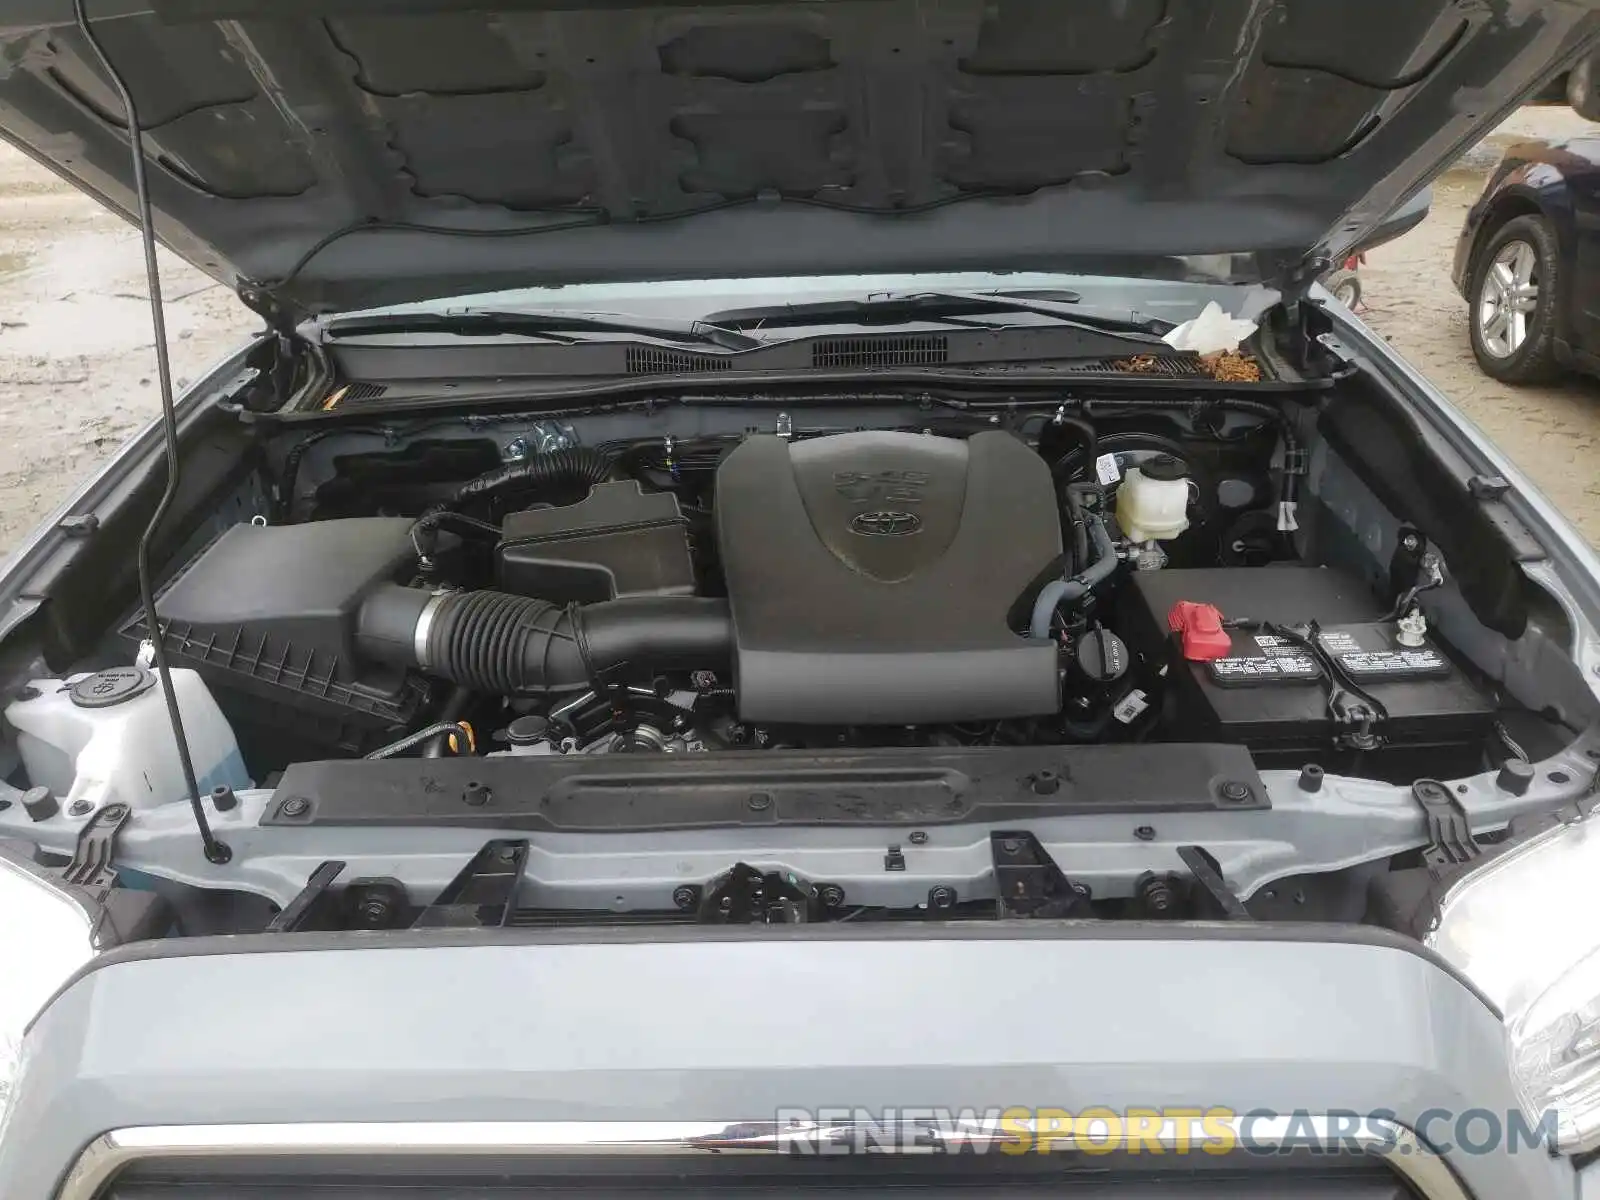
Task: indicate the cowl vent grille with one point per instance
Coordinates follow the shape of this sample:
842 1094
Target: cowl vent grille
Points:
907 350
653 360
361 393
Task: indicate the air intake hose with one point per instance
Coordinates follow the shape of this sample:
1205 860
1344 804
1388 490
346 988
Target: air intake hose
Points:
576 468
500 644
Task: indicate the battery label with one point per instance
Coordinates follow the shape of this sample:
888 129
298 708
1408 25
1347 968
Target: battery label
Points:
1364 653
1265 668
1408 664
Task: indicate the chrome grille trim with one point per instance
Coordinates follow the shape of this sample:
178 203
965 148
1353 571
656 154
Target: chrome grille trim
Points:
111 1153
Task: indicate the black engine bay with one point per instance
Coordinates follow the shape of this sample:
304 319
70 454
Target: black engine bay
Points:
944 586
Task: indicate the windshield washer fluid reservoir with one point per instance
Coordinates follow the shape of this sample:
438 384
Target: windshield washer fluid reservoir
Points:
105 738
1153 500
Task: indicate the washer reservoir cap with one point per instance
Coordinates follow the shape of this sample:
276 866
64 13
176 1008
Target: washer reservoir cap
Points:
106 688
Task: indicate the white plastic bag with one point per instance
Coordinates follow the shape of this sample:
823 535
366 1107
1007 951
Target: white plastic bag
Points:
1212 332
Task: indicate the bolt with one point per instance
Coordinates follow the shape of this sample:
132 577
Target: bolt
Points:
831 895
79 808
1082 889
507 854
1155 892
685 898
374 911
760 801
1410 541
295 806
942 897
1010 846
918 838
727 903
1145 833
1046 783
1235 792
476 794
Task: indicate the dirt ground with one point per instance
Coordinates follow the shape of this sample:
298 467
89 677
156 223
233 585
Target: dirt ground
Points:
77 377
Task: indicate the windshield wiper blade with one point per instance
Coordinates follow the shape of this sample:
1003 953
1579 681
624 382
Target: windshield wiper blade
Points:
547 323
945 307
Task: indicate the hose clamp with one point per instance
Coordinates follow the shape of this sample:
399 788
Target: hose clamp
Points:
419 636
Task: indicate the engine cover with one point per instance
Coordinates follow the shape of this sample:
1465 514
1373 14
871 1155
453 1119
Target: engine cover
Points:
871 577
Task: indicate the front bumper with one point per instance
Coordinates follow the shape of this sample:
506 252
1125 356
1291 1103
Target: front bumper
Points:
446 1032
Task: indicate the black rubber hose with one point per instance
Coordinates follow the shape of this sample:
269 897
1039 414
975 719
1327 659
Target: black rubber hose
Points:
1080 530
572 468
501 645
455 708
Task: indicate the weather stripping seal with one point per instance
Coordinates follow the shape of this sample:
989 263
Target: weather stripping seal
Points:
1427 1174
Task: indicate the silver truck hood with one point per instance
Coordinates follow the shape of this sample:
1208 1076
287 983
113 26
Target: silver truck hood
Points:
343 154
736 1026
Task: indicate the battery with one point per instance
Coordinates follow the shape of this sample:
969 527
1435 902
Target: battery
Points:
1271 690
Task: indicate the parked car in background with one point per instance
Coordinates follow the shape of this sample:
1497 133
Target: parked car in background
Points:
1528 262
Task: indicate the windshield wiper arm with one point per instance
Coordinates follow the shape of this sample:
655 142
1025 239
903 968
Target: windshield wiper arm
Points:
941 306
487 322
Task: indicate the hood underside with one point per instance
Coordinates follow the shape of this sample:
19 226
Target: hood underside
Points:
354 152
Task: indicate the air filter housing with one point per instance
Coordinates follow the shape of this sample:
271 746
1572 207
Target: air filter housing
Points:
269 612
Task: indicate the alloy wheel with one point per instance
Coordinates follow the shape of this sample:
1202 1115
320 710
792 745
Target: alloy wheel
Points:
1507 299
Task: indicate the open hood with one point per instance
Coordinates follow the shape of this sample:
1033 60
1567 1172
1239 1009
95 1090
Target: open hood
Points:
346 153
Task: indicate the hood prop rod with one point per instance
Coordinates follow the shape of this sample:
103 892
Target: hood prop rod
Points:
215 850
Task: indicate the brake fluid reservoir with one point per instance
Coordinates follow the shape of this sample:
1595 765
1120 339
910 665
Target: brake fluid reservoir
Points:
1153 500
106 738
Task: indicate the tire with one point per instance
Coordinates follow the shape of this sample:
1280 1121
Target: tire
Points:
1345 286
1513 332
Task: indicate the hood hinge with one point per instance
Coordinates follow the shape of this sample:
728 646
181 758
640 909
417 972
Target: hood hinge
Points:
1295 279
259 300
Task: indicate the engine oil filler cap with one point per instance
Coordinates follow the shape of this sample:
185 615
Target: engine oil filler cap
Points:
114 686
1200 625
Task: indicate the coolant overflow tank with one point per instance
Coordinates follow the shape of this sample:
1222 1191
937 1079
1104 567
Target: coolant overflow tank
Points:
1153 500
105 738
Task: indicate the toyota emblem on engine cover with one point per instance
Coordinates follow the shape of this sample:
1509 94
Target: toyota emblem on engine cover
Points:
885 524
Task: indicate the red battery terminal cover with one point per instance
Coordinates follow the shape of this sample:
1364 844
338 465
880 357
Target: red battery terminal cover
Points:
1200 625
